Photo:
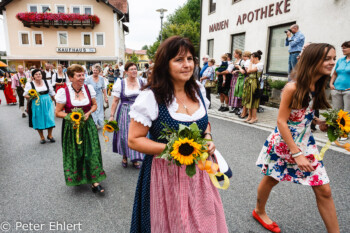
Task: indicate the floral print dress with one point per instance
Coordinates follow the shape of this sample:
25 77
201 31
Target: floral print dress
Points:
276 160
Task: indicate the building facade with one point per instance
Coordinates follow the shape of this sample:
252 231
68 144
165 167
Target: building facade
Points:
96 34
252 25
140 54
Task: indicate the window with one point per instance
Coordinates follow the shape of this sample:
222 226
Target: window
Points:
24 38
87 39
60 9
38 38
100 39
238 42
211 48
33 8
88 10
45 9
277 57
62 38
76 9
212 6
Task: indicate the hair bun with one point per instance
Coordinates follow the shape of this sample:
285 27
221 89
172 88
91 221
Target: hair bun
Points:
259 52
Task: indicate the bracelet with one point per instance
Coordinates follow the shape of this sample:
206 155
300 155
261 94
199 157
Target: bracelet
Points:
297 154
209 134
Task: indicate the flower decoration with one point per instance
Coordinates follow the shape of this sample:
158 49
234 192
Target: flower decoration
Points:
33 94
39 17
23 81
110 127
110 87
6 81
338 126
77 119
185 151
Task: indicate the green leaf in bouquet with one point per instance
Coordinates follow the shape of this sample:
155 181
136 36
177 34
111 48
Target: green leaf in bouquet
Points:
331 133
191 170
194 127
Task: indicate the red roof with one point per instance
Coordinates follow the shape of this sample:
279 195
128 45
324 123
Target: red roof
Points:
139 52
121 5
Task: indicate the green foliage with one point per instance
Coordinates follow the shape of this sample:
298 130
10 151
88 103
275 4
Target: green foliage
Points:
334 131
134 58
277 84
145 47
185 21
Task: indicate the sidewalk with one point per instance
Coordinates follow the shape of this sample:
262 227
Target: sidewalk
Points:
267 119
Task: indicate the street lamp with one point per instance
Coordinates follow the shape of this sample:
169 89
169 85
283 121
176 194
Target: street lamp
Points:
161 10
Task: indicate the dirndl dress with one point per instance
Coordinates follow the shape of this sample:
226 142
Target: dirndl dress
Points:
41 115
82 163
99 115
60 81
167 200
276 160
120 138
250 85
8 92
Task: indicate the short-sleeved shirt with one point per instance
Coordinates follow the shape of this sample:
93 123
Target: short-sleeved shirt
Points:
209 72
343 74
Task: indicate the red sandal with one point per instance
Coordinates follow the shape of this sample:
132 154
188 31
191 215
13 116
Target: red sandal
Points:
273 227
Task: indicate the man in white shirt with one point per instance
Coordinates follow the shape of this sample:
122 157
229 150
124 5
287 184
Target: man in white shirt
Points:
48 73
121 70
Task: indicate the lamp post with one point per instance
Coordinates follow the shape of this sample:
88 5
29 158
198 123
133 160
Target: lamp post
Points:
161 11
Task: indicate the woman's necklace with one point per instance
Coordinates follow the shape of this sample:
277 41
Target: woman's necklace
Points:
77 92
132 84
183 105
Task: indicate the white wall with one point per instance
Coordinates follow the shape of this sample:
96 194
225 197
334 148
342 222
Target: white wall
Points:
320 21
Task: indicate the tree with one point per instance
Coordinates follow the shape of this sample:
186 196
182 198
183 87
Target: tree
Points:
145 47
134 58
152 49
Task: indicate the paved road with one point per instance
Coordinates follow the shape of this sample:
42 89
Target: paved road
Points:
33 188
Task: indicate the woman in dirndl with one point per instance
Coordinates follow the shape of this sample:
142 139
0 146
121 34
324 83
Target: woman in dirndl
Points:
290 152
166 198
237 81
99 86
41 110
8 92
82 163
125 91
59 79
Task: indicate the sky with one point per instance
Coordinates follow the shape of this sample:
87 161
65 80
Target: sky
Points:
144 23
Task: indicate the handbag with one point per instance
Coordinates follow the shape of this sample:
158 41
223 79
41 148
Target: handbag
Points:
257 93
223 166
210 84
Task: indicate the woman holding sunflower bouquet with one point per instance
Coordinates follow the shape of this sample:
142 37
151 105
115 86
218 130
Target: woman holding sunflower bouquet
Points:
290 152
40 109
82 160
98 83
167 199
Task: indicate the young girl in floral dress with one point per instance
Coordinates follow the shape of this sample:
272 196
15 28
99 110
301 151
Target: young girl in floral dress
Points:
289 154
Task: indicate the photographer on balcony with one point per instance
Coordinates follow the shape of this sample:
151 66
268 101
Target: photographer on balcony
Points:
295 40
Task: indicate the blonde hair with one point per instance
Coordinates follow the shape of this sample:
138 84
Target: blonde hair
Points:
212 61
97 66
224 56
238 52
247 54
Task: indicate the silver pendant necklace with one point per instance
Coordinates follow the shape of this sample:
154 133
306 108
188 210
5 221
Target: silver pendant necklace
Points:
183 105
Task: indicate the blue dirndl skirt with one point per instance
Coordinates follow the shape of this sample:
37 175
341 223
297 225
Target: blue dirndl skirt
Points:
43 114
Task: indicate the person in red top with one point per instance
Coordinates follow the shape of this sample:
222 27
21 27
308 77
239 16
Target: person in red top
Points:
10 99
19 88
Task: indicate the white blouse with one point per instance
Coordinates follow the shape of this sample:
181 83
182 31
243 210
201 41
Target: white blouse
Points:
55 75
145 109
61 96
38 89
117 88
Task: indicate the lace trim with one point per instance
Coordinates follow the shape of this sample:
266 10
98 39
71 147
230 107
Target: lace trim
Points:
140 118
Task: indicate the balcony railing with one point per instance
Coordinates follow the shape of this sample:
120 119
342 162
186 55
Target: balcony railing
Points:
30 19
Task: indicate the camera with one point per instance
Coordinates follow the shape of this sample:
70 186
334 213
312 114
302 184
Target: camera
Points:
287 31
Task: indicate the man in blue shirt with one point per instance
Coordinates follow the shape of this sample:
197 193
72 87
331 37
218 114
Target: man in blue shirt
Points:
205 65
295 40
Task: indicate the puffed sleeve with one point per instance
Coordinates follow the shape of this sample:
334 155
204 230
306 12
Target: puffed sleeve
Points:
60 96
204 94
260 67
92 91
145 108
27 88
117 88
52 91
53 79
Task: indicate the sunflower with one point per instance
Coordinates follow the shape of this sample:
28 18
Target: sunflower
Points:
108 128
185 151
23 81
76 117
110 86
32 92
344 121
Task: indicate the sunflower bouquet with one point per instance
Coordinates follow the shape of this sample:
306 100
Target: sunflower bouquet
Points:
109 89
338 123
77 119
33 94
6 81
23 81
110 127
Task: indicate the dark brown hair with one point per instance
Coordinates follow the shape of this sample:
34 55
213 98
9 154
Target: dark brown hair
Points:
306 68
257 54
346 44
160 82
75 68
128 65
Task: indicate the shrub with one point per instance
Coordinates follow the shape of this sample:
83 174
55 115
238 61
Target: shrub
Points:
277 84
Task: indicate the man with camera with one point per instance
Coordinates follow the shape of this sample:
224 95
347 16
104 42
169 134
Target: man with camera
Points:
295 40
